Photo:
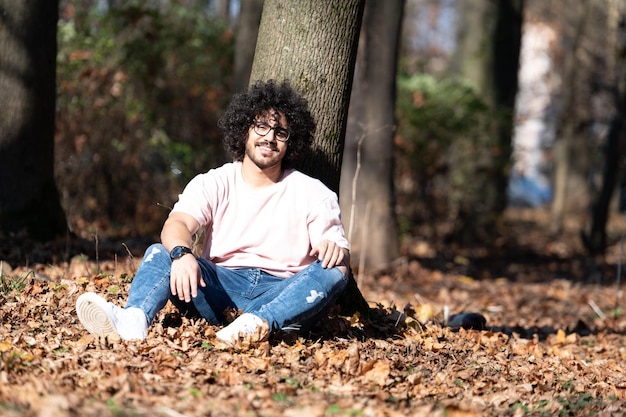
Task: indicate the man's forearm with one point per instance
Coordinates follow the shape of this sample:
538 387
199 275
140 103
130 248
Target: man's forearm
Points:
177 232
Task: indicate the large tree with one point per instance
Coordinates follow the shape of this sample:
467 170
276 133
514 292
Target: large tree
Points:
29 199
367 195
313 43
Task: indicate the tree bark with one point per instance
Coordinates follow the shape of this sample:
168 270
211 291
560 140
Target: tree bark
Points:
313 43
367 196
29 199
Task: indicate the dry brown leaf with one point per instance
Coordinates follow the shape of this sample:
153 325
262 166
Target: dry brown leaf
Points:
255 364
379 373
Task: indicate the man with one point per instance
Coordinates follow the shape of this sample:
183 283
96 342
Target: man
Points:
274 244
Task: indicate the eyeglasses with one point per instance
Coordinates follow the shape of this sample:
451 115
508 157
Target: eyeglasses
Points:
280 133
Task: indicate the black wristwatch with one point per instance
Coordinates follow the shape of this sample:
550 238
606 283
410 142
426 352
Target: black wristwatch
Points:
179 251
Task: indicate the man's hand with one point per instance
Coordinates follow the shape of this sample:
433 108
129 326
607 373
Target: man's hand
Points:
185 274
331 255
185 277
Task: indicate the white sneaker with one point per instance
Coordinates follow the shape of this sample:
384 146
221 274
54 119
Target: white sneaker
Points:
244 325
101 318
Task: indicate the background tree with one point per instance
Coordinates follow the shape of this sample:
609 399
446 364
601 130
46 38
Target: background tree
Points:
587 149
572 149
367 195
29 199
222 9
595 235
245 44
489 40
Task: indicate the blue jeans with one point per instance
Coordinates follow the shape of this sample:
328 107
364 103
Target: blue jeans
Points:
285 303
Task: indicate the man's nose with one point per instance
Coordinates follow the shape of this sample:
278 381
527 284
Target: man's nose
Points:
271 138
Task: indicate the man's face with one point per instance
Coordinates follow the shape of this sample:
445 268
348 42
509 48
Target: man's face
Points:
265 151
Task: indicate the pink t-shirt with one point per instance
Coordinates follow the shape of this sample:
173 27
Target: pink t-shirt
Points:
271 228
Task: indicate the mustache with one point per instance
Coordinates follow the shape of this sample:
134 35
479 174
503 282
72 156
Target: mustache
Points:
267 143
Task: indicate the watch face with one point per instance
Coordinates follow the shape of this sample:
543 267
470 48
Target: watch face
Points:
179 251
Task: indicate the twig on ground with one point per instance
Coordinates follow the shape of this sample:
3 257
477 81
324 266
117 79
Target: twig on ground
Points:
95 236
618 281
363 240
446 314
597 309
355 179
130 255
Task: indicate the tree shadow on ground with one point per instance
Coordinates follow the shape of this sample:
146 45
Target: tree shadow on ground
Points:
385 324
523 248
527 253
23 251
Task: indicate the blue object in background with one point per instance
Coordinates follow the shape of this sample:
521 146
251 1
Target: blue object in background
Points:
527 192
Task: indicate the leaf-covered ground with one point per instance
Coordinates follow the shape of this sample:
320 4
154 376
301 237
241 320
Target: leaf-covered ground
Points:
554 344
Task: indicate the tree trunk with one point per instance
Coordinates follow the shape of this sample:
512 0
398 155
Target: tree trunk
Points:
586 56
367 196
567 128
595 241
477 22
247 32
29 199
507 47
561 173
489 45
222 10
313 43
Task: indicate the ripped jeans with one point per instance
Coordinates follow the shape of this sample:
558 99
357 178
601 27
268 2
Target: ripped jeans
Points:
285 303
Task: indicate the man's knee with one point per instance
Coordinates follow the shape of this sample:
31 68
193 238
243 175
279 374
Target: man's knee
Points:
344 269
155 250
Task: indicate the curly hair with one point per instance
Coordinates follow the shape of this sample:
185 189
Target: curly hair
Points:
260 98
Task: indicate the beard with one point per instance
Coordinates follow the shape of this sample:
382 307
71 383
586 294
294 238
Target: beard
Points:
264 154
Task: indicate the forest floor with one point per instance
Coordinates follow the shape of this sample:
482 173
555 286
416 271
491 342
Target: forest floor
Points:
553 345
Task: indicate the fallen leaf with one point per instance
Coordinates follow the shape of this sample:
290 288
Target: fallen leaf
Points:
379 373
